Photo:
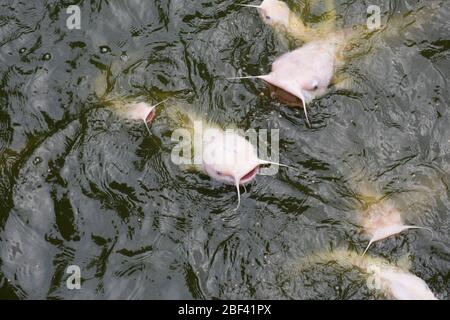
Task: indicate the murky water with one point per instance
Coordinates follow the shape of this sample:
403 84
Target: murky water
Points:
80 186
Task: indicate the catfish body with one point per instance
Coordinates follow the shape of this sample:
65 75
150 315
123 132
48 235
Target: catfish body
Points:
382 220
225 156
399 284
306 72
395 281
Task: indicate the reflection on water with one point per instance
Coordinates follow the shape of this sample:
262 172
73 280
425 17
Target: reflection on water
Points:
79 186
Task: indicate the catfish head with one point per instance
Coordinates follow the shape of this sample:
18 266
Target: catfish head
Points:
302 75
230 158
273 13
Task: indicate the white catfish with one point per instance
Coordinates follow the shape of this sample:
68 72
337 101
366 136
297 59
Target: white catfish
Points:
304 74
382 220
136 111
299 76
278 15
226 155
230 158
400 284
394 281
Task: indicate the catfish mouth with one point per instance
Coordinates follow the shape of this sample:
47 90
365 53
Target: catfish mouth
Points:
249 175
284 96
150 116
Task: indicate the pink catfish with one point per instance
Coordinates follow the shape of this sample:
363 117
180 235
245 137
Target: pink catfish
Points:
395 281
274 13
230 158
383 220
304 74
299 76
137 111
277 15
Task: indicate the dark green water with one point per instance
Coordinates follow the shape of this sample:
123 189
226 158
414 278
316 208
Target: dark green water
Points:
79 186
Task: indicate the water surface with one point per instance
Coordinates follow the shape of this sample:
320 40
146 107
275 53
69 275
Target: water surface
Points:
80 186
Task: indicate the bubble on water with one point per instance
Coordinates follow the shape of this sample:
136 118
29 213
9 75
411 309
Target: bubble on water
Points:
22 50
124 56
37 160
105 49
46 57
